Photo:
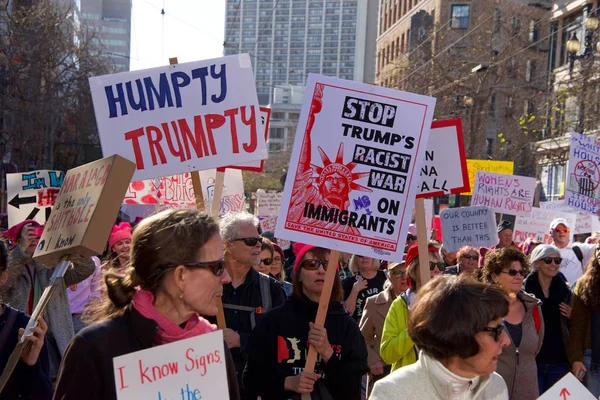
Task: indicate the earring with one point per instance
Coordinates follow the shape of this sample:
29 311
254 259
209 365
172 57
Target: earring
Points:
181 296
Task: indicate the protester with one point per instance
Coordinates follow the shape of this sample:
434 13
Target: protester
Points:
176 274
545 283
249 295
411 237
371 323
369 280
448 257
31 377
266 257
505 236
119 246
277 348
574 258
82 293
277 270
529 245
468 257
507 267
459 345
584 349
344 265
27 279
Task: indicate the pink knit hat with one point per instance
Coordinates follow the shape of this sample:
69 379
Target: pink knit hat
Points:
119 232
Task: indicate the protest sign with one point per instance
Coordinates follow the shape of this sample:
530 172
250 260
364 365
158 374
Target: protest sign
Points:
500 167
232 199
583 174
269 223
85 210
505 194
189 369
181 117
568 388
257 166
444 168
170 191
537 224
31 195
268 203
473 226
586 223
355 167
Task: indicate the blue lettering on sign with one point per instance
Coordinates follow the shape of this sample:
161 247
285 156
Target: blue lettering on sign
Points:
32 181
56 180
362 202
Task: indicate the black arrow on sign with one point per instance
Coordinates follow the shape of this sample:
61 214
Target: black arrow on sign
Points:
19 201
33 213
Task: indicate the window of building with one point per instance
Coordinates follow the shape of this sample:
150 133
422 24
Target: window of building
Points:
530 73
534 31
275 147
515 25
459 16
492 105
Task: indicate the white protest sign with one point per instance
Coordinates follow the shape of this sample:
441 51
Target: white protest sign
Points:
505 194
472 226
268 203
568 388
586 223
269 223
190 369
583 174
428 215
170 191
232 199
32 194
257 166
355 167
444 169
537 224
181 117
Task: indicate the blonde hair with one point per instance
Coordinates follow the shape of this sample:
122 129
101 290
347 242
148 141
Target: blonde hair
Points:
354 262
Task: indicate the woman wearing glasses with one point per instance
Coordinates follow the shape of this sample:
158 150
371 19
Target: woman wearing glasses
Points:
176 274
457 326
367 281
277 271
548 285
266 257
468 258
278 346
507 267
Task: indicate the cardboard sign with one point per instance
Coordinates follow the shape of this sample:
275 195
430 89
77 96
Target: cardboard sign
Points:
85 210
355 167
586 223
181 117
32 194
505 194
472 226
269 223
444 169
233 199
170 191
189 369
568 388
583 174
500 167
268 203
537 224
257 166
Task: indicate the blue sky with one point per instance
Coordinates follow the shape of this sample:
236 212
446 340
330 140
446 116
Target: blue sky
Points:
190 30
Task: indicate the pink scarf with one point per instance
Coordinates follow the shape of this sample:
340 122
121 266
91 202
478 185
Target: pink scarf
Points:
168 332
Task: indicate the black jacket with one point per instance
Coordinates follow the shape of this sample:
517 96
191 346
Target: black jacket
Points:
278 347
87 370
26 382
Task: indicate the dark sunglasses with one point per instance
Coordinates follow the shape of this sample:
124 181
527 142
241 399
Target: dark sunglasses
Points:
514 272
471 257
440 265
548 260
411 237
267 261
496 331
216 267
313 265
250 241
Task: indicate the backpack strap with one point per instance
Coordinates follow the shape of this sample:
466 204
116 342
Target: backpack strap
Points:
536 318
251 310
578 253
265 292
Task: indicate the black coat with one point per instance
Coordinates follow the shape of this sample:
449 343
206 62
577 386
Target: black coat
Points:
87 369
277 348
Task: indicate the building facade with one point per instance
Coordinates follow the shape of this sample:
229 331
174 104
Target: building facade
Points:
285 111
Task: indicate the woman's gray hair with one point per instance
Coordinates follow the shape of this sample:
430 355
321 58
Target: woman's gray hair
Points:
542 251
231 223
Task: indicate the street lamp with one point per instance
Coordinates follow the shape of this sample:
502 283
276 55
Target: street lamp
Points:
574 44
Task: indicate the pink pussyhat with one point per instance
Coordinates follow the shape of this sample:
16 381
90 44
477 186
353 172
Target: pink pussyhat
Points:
119 232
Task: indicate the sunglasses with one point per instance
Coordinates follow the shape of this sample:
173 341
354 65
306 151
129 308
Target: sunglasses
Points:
440 265
398 274
548 260
496 331
411 237
514 272
471 257
216 267
250 241
561 230
313 265
266 261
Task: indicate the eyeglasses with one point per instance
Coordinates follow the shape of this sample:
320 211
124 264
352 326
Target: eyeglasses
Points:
277 259
496 331
440 265
514 272
267 261
251 242
561 230
313 265
548 260
217 267
397 274
411 237
471 256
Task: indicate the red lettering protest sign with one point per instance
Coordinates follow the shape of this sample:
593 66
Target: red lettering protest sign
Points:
181 117
505 194
257 166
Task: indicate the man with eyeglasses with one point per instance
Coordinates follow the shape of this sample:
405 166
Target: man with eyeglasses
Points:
250 293
574 257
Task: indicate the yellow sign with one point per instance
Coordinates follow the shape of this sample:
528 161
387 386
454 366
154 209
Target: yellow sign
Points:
499 167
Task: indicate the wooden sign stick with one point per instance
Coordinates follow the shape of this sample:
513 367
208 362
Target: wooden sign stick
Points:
311 359
215 210
422 241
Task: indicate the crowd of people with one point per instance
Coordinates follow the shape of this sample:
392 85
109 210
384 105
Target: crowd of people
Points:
501 323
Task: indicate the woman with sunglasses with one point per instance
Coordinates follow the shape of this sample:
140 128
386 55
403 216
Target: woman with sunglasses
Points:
548 285
468 258
367 281
266 257
176 275
457 326
507 267
278 346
